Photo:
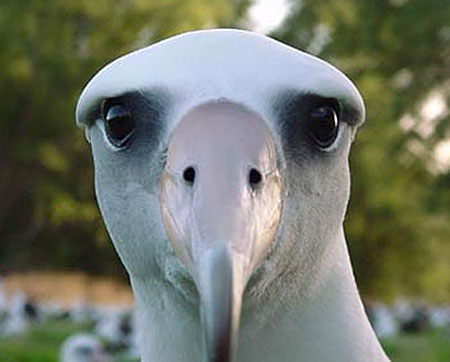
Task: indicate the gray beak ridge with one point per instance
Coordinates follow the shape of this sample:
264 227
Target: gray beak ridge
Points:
220 305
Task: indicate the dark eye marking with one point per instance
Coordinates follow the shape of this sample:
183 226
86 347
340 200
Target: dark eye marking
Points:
323 124
310 121
119 123
134 119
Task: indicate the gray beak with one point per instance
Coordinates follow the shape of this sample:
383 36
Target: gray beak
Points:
221 200
220 305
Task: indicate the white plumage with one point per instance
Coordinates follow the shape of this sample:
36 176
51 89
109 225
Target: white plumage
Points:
83 347
221 170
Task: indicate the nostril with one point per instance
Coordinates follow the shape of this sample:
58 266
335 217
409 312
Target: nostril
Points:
254 177
189 175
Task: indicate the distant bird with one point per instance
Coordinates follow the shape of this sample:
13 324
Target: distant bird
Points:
83 347
3 301
115 326
439 317
82 312
418 322
383 321
412 317
3 307
21 313
221 170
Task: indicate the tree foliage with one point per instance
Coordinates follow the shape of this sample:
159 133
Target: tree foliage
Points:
396 51
398 54
48 216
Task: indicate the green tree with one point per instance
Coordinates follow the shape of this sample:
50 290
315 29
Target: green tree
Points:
48 217
398 54
396 51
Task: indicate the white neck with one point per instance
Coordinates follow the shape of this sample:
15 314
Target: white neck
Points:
328 325
168 326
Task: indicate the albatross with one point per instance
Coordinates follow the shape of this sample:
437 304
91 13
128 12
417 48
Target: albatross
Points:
222 175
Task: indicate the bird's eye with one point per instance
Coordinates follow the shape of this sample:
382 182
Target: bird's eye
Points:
323 125
119 124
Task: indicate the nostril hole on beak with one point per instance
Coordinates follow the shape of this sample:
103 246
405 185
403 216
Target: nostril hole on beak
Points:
254 177
189 175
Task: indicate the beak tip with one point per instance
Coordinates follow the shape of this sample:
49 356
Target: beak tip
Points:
220 305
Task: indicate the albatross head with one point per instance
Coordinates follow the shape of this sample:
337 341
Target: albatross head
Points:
221 170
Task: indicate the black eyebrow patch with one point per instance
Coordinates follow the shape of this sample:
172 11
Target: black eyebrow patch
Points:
292 110
155 100
139 102
293 104
148 111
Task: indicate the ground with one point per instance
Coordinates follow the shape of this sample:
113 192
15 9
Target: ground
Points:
41 344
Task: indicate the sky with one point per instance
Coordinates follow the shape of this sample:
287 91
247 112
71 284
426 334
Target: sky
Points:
267 15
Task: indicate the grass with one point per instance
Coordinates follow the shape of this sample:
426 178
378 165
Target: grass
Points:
430 346
42 342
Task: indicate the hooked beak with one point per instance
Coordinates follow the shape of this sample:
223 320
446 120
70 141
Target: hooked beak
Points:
221 298
220 197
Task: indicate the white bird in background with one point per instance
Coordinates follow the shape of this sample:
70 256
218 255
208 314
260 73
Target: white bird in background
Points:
3 302
221 170
3 307
383 321
21 313
83 347
116 327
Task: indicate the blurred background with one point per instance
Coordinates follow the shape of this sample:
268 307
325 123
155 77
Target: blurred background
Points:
58 271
